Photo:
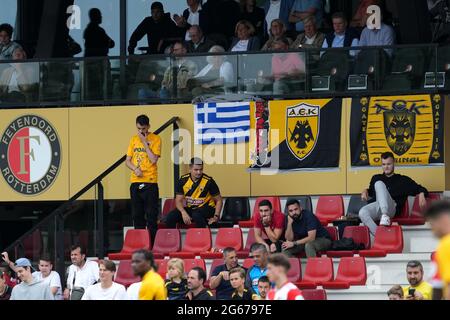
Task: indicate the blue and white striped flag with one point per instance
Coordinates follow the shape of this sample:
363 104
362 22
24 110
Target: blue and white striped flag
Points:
221 123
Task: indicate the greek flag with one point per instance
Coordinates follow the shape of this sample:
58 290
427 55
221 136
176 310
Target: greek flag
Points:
221 123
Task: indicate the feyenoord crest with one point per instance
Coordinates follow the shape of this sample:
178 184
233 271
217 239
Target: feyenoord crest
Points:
302 129
30 154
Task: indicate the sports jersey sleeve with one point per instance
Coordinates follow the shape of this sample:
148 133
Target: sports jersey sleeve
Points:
130 149
179 187
156 146
295 294
443 260
213 188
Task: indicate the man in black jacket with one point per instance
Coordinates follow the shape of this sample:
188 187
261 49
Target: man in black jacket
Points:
388 192
158 27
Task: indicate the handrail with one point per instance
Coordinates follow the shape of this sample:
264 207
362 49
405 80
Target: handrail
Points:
62 208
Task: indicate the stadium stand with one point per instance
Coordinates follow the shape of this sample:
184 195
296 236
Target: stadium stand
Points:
134 240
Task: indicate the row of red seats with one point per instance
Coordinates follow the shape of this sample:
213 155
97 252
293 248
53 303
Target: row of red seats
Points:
318 272
198 242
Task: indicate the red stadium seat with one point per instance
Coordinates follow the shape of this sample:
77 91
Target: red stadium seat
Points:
317 271
166 242
329 208
248 263
226 237
125 275
387 240
192 263
276 205
162 267
351 272
359 234
169 205
295 272
416 216
135 239
197 240
314 294
250 240
332 231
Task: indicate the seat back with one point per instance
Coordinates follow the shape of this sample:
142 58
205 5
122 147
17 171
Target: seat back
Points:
334 59
197 240
125 275
314 294
236 209
332 231
355 204
330 207
136 239
319 270
189 264
168 206
352 270
359 234
389 239
416 211
229 237
275 201
162 267
167 241
295 272
248 263
305 203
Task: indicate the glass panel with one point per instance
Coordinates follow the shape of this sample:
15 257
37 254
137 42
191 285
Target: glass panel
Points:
99 79
58 81
19 82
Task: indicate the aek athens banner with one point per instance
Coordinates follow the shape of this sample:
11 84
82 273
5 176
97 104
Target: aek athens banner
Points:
411 127
298 134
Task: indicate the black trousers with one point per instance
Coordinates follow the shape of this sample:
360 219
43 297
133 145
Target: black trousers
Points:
199 216
144 206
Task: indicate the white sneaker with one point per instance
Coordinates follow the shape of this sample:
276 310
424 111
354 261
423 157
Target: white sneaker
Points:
385 220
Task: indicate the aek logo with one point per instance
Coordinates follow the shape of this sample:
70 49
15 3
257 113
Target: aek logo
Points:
30 154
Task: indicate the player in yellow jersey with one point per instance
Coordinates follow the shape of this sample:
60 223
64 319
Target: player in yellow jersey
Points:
142 158
152 287
438 215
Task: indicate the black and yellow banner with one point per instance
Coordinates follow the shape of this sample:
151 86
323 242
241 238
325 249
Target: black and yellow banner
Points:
411 127
296 134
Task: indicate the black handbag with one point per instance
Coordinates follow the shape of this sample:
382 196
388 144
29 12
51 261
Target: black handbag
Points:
76 292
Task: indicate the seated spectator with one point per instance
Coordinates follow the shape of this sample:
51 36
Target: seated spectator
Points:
287 68
152 284
303 9
7 47
198 43
395 293
106 289
176 283
29 288
195 280
253 14
214 78
81 273
342 36
158 28
360 18
245 39
5 290
20 81
201 195
277 32
385 36
304 232
277 9
418 289
221 16
277 269
269 226
133 291
311 37
50 277
263 288
193 15
237 280
388 193
259 253
220 276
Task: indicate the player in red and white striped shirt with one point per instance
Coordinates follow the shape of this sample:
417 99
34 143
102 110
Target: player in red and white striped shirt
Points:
277 268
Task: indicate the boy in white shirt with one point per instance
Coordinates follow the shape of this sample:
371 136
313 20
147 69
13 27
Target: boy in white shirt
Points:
106 289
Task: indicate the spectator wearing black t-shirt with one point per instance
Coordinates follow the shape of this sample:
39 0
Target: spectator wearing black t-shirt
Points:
195 281
220 276
304 232
237 280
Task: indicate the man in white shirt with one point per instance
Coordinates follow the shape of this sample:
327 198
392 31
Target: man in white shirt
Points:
133 291
106 289
81 273
48 276
190 17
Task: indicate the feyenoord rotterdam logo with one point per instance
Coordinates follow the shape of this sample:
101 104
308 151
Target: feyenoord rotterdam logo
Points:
30 155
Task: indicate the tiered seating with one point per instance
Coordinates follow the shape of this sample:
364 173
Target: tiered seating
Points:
168 206
166 242
226 237
162 267
415 217
125 275
332 231
314 294
197 240
359 234
135 239
387 240
329 208
295 272
189 264
317 271
276 205
351 272
250 240
235 209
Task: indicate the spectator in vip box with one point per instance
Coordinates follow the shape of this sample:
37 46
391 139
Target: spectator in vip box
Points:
193 15
7 47
198 42
311 37
277 32
269 226
342 36
29 288
220 276
237 280
254 14
277 9
418 289
395 293
196 279
106 289
144 266
245 39
303 9
176 283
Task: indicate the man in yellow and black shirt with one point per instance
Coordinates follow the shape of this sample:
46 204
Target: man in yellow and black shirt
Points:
201 195
438 215
142 157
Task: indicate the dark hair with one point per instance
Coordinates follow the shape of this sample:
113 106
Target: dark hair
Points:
282 40
109 265
227 250
258 246
387 155
143 120
264 203
196 161
7 28
339 15
157 5
239 270
415 264
280 260
201 273
290 202
437 208
264 279
94 14
46 258
76 246
397 289
182 43
148 256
